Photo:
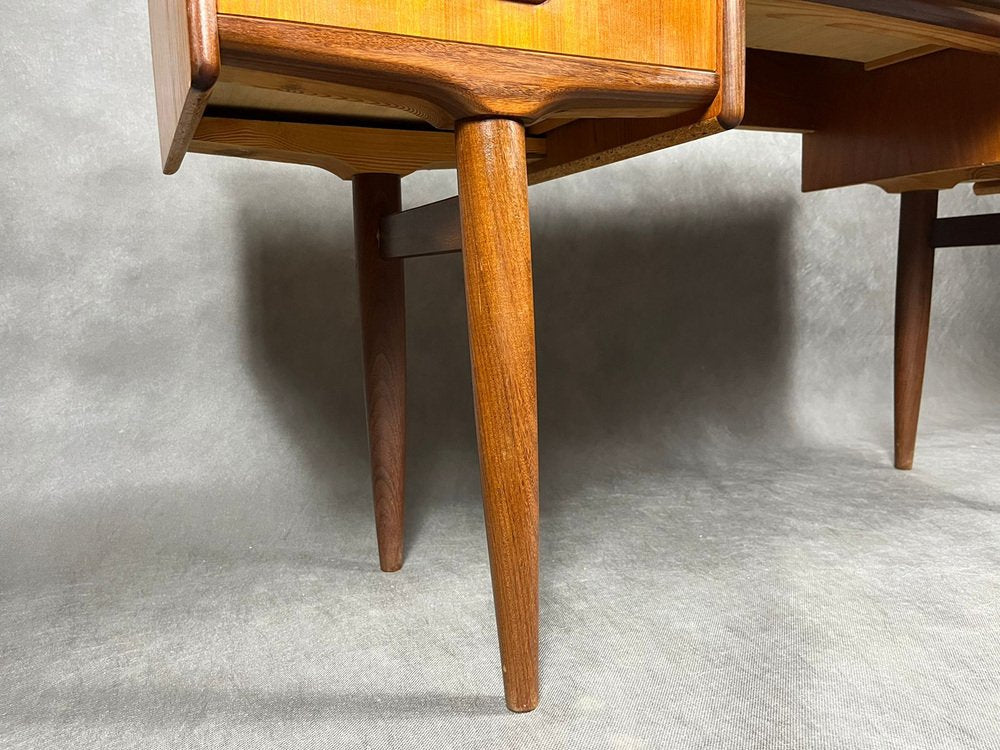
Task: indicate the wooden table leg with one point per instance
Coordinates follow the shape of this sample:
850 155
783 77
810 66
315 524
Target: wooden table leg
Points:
493 200
383 332
914 282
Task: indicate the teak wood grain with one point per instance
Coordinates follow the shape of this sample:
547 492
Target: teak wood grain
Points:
493 197
297 98
383 335
185 48
885 126
679 33
914 282
464 80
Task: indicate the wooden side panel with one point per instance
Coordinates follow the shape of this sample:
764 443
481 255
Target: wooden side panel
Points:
787 92
679 33
185 47
928 123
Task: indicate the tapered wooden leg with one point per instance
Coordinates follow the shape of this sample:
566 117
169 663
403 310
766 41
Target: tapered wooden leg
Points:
914 280
383 332
496 242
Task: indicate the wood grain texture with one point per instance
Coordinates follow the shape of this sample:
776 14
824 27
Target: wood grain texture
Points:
679 33
344 150
976 17
868 31
383 335
914 282
432 229
588 143
464 80
493 197
185 49
293 96
293 104
928 123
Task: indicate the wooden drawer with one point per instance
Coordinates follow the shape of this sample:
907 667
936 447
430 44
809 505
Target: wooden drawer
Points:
679 33
415 65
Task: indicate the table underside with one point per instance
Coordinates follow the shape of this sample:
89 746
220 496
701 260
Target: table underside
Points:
809 66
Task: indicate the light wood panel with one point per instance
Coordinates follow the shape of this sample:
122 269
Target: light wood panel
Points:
277 92
297 105
678 33
185 49
843 32
342 149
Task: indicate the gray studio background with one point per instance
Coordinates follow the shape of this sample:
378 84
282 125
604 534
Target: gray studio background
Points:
187 552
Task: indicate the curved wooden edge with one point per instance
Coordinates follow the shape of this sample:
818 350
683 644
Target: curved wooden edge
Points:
203 33
465 80
977 21
186 64
731 101
584 144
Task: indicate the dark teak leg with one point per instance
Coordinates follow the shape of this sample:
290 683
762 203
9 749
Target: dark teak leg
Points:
914 280
383 332
493 200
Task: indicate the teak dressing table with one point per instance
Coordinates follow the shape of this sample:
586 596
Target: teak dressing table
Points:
904 94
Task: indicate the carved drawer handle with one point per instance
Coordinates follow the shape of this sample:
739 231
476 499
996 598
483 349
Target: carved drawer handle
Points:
529 2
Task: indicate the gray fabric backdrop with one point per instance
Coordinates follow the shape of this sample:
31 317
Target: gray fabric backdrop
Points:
187 552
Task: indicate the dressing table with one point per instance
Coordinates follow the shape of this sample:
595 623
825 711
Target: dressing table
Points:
904 94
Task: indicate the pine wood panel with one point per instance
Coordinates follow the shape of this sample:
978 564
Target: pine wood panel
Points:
829 29
678 33
344 150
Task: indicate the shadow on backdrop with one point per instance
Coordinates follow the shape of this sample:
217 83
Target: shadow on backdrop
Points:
659 347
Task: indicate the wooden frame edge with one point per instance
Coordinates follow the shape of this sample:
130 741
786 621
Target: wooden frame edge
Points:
182 91
464 80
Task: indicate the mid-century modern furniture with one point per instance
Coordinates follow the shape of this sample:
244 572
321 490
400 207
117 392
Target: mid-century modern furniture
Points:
904 94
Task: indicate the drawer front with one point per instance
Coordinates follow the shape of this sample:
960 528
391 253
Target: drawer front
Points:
680 33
